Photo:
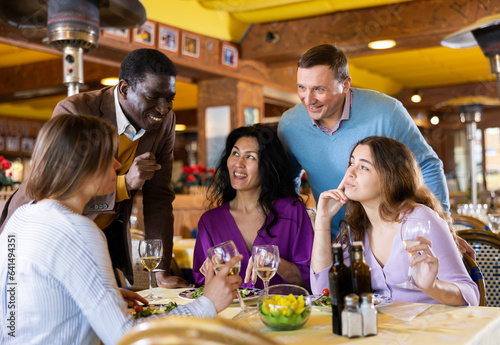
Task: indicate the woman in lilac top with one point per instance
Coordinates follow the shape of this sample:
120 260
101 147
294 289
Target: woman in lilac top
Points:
257 204
383 185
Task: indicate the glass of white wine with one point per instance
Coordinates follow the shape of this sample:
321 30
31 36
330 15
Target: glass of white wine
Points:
218 256
265 260
150 253
410 229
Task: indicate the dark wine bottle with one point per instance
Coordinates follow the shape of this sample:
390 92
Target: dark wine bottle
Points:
340 286
361 271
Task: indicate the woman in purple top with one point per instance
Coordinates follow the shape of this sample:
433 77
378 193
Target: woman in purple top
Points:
257 204
383 185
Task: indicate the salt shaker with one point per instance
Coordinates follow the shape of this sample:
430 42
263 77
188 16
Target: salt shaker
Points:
369 314
352 320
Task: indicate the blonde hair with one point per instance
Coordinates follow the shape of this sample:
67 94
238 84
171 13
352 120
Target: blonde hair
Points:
69 148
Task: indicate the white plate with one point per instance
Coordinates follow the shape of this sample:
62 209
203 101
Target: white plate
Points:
380 300
252 293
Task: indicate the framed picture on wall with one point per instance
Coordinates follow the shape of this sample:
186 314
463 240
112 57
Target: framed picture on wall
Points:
229 56
27 145
117 34
145 34
12 143
168 38
190 45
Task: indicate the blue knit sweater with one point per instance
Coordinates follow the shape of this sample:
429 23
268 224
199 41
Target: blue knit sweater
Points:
325 157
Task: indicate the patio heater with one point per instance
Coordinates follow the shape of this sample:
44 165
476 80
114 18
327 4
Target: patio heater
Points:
486 33
471 114
73 26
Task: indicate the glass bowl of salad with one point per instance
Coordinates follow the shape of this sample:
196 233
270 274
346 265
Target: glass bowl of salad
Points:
286 307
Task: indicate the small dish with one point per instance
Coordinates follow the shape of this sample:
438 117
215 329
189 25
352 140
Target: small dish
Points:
252 293
381 300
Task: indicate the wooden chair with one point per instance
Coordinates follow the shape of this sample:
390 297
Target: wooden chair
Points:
461 222
477 276
487 247
186 330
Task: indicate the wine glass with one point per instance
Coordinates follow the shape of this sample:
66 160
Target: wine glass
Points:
150 252
265 259
218 256
410 229
494 222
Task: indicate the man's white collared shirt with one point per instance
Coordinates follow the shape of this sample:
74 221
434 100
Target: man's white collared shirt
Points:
123 124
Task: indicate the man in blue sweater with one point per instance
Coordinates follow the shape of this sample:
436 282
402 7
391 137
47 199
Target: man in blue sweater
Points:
320 132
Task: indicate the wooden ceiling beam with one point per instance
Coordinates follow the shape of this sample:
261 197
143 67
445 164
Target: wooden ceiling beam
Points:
413 25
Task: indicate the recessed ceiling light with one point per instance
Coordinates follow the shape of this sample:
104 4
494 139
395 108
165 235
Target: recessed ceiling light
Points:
434 120
110 81
180 127
383 44
416 97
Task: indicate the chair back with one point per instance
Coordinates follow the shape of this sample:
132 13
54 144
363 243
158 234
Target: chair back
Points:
477 276
461 222
487 247
187 330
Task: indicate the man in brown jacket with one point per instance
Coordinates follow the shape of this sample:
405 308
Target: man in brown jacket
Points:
140 107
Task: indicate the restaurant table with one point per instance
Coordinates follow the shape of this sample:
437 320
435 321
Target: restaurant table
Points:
438 324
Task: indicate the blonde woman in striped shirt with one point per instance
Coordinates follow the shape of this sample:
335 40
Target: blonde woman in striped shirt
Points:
56 280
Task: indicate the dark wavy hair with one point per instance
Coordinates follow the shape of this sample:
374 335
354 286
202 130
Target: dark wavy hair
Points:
140 62
274 171
401 187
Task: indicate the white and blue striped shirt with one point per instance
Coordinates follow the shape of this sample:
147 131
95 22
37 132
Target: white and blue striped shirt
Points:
63 290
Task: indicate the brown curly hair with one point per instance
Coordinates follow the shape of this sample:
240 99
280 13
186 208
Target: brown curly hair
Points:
402 187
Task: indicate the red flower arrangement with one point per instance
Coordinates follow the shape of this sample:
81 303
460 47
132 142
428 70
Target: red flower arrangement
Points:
304 181
4 179
194 175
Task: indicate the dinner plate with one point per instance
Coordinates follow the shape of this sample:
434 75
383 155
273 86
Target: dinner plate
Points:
380 300
152 306
252 293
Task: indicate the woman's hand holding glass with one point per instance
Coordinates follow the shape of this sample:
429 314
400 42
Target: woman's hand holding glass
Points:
414 233
424 266
222 288
219 255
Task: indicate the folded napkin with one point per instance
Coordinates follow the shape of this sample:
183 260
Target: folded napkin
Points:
404 312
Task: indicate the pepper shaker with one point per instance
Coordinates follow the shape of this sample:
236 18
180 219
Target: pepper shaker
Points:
352 320
369 314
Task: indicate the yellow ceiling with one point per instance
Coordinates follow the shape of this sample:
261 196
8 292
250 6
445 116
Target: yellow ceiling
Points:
388 72
229 19
420 68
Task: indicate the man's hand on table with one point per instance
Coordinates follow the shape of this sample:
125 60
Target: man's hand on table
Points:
132 298
165 280
223 288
